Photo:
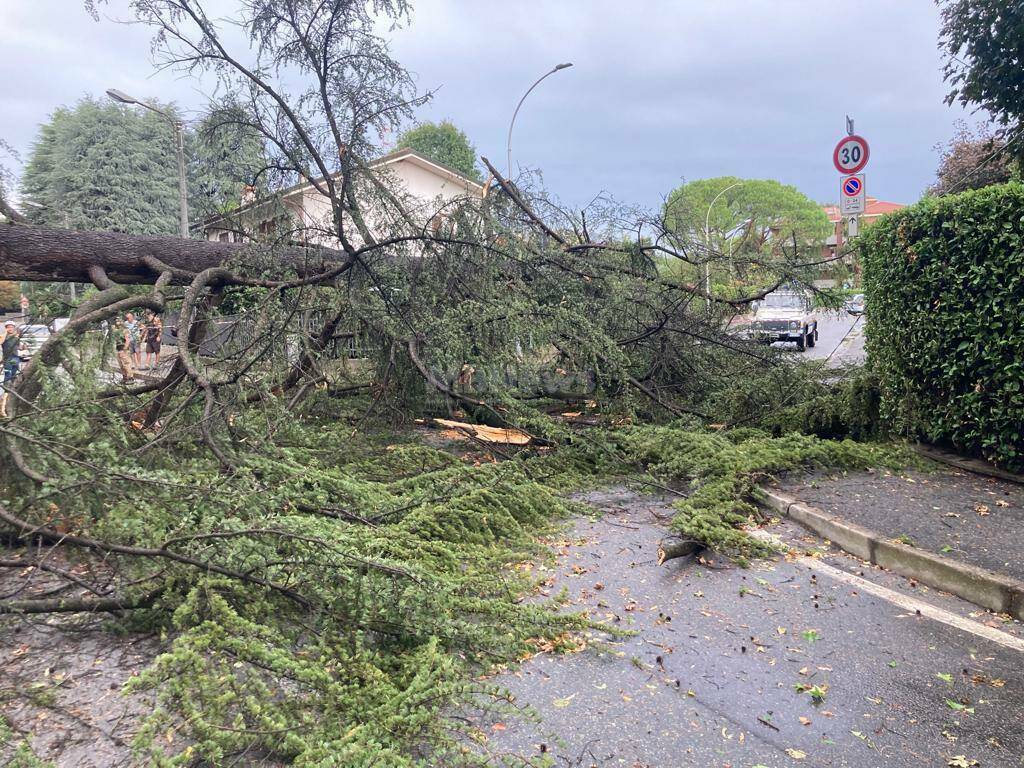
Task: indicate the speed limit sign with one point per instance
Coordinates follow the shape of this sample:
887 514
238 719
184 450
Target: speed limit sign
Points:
851 154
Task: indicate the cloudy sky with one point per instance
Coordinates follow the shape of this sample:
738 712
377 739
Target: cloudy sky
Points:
661 91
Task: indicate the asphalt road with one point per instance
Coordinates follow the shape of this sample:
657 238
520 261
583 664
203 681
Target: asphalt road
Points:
840 338
721 668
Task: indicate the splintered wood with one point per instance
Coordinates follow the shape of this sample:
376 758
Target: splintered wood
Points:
459 430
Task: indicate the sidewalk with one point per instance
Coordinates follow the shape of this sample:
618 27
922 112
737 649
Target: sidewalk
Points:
972 519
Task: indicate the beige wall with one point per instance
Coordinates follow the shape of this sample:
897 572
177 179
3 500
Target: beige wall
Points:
422 188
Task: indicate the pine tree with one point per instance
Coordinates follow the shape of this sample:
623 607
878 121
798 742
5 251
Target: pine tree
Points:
226 155
104 166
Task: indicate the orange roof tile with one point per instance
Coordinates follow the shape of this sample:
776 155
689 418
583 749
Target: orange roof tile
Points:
874 207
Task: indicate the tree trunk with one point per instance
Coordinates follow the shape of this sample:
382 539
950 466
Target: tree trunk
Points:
42 254
670 549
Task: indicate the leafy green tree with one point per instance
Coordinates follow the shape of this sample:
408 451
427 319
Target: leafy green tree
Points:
741 225
103 166
984 45
445 143
226 155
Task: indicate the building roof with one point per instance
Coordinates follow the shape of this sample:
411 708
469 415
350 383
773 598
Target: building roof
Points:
872 209
403 153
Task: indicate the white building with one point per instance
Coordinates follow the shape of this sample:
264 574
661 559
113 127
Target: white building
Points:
424 187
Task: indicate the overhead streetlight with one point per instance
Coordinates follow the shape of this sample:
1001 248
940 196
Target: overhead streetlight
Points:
179 140
707 241
508 144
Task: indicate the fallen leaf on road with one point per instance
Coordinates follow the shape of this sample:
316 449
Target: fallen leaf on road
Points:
796 754
805 721
563 703
961 761
981 509
956 706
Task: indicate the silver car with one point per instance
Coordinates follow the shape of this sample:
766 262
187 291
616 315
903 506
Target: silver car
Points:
32 338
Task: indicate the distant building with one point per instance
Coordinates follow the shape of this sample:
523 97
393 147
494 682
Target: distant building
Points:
422 184
873 210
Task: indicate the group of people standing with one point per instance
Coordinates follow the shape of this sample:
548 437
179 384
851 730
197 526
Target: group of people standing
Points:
133 338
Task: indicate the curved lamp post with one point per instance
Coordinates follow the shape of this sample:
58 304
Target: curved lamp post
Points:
508 144
707 240
179 145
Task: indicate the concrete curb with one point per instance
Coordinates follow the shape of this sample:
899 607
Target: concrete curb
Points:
977 466
977 585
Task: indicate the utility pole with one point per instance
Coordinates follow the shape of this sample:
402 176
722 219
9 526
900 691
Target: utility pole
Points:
179 147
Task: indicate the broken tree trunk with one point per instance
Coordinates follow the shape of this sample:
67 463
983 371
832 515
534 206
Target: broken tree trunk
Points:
42 254
670 549
503 435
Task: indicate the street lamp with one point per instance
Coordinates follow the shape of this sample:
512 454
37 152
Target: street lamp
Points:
707 241
508 144
179 139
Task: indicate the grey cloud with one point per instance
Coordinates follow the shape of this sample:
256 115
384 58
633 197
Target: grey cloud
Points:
660 90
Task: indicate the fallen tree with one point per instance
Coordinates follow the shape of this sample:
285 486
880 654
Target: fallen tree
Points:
41 254
356 581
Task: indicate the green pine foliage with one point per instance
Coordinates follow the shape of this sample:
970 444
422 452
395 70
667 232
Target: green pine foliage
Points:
393 573
105 166
722 470
225 156
944 280
100 165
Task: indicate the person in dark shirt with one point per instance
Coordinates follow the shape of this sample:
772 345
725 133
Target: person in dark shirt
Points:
154 331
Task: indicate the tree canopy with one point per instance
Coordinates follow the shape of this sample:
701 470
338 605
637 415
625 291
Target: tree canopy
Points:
331 597
226 155
100 165
445 143
973 158
984 45
743 223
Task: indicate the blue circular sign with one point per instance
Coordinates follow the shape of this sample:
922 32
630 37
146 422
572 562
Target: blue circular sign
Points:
851 187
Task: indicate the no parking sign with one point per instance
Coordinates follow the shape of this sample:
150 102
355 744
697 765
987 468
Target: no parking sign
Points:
852 197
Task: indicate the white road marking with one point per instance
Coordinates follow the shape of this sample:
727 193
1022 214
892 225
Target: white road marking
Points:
906 602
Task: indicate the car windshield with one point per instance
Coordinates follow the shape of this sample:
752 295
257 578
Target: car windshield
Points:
784 301
35 330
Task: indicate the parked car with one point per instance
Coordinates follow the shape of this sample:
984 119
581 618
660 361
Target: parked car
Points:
32 338
855 304
785 316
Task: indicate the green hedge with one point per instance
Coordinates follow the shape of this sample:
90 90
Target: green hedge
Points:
945 332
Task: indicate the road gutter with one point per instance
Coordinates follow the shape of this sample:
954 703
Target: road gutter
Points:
982 587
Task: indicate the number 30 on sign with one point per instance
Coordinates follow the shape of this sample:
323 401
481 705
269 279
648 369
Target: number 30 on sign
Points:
851 154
